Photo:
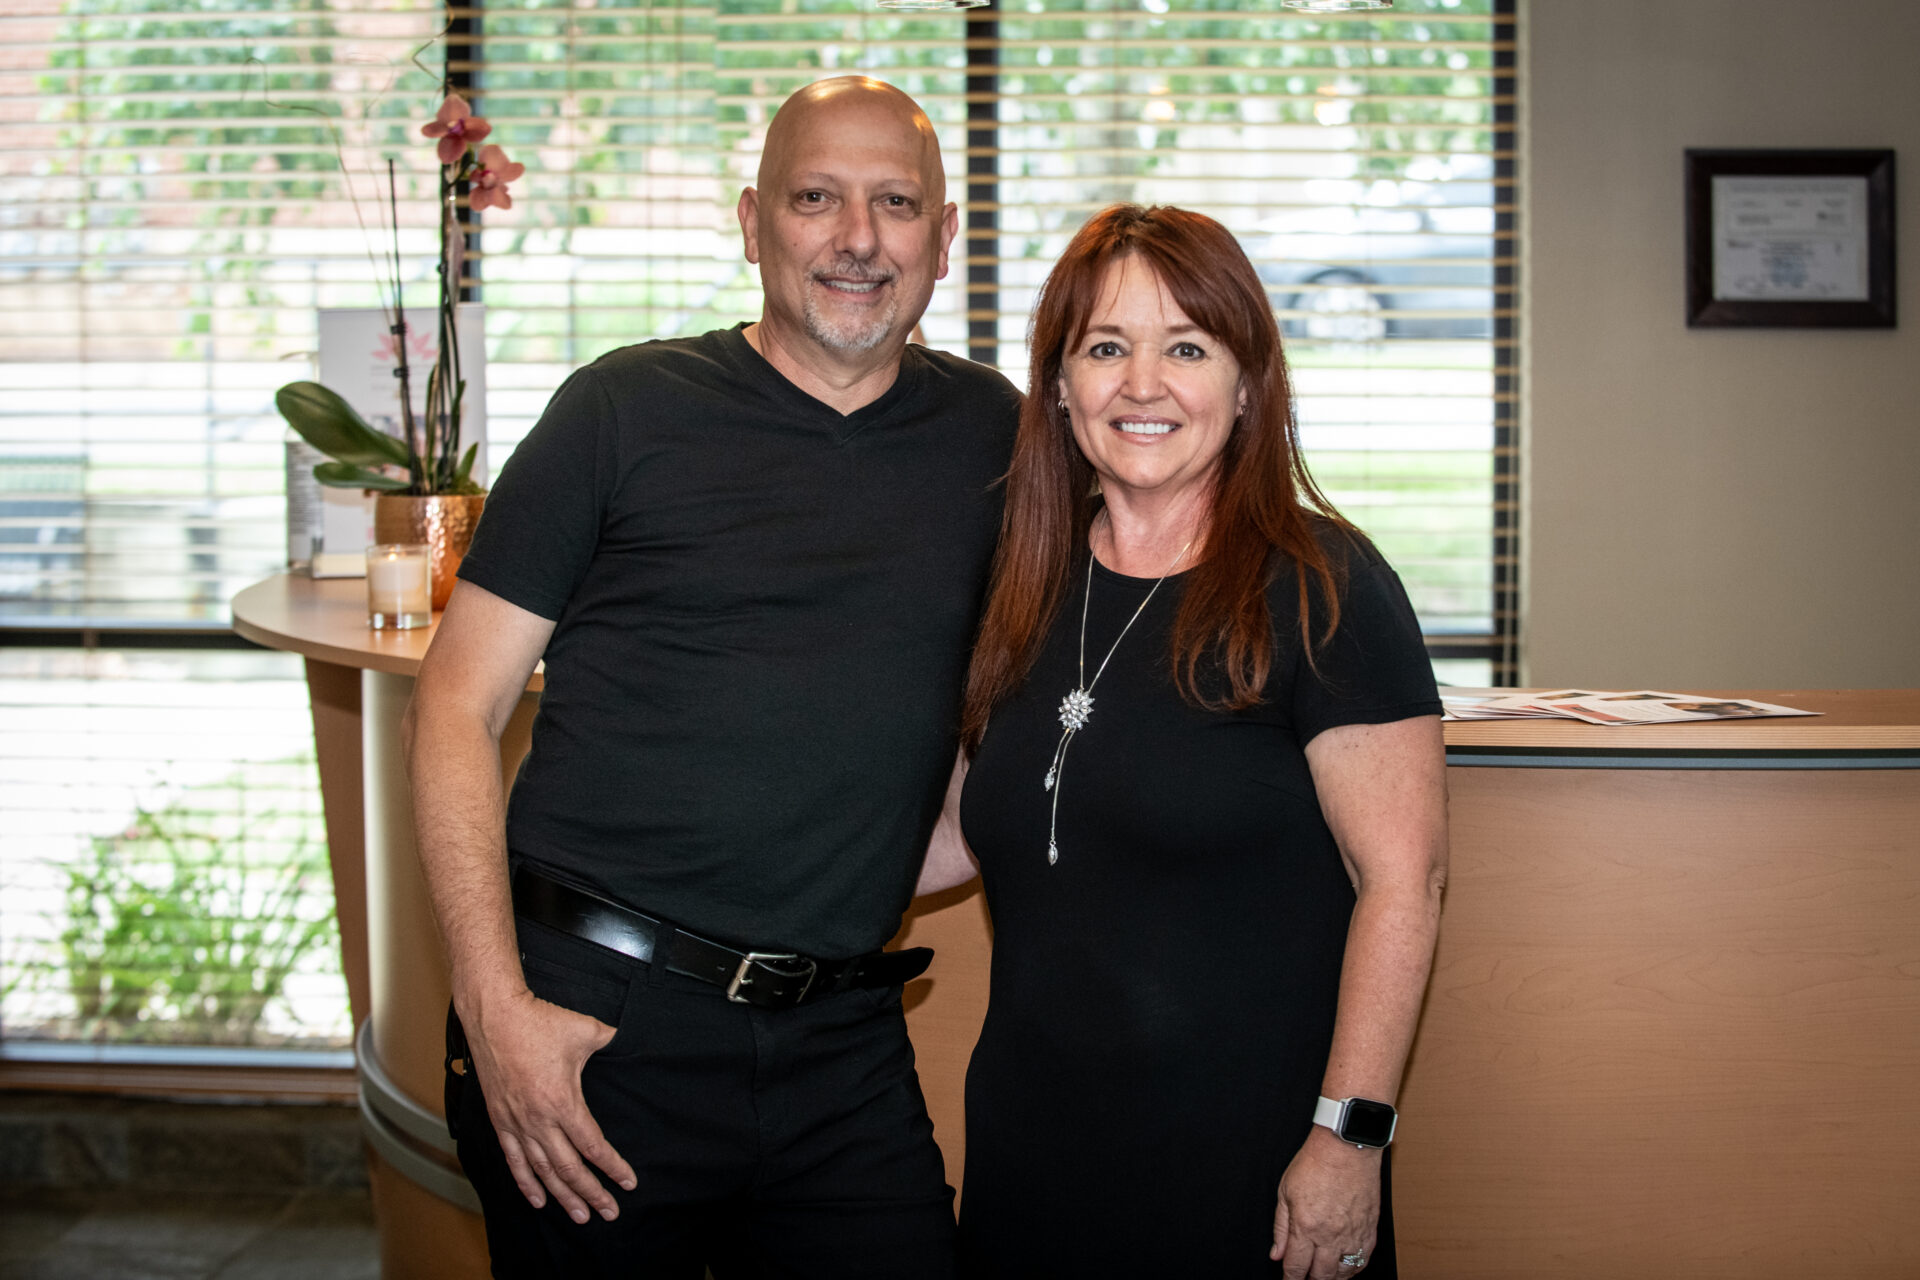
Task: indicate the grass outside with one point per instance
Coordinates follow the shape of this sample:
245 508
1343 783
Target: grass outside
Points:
165 878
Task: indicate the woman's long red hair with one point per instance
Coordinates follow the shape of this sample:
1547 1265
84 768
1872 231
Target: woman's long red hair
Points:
1265 506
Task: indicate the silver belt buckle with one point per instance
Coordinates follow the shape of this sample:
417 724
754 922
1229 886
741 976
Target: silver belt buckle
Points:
742 979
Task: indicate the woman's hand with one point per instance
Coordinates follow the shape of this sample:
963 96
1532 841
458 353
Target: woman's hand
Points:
1329 1208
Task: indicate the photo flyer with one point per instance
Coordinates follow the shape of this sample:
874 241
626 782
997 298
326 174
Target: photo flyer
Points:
1640 706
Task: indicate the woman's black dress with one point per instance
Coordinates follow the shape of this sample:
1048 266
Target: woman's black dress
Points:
1163 998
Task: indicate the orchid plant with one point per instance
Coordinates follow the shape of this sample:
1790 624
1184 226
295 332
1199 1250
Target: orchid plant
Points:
426 458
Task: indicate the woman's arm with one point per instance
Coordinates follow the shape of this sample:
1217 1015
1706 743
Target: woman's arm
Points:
948 862
1383 790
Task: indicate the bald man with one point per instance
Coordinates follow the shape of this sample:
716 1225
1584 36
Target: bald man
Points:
752 562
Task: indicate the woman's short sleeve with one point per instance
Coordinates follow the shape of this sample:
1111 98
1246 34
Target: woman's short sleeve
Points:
542 520
1374 669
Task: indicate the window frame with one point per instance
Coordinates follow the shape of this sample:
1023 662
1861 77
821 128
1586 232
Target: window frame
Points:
465 52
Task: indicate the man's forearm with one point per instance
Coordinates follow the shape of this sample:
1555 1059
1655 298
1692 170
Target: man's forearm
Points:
527 1054
459 808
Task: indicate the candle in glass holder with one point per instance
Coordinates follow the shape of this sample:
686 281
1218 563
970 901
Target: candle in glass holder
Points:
399 586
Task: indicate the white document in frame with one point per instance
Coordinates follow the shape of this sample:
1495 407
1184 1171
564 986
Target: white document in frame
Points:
1784 239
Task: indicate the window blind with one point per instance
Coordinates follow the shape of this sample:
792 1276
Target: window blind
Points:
176 210
182 188
1358 160
171 215
164 874
1365 163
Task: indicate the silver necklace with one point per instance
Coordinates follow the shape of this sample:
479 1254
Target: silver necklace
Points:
1077 707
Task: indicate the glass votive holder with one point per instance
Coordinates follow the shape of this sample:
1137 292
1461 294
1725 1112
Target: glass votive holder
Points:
399 586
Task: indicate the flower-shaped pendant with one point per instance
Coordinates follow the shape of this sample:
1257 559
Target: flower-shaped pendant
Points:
1076 709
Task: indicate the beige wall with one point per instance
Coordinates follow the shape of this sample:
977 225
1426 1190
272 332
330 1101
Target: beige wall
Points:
1710 508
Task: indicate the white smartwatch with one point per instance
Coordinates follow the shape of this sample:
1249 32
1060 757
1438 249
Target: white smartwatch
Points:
1360 1121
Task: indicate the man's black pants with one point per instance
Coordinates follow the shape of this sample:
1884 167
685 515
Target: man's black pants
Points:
768 1144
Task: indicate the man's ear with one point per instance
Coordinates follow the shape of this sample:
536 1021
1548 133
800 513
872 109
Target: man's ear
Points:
748 211
949 228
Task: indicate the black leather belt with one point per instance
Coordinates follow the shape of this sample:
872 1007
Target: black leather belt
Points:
764 979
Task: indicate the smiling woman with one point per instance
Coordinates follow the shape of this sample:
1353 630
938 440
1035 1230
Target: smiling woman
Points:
1152 399
1257 791
1232 483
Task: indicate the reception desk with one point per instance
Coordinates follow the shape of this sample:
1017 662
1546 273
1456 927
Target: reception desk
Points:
1673 1027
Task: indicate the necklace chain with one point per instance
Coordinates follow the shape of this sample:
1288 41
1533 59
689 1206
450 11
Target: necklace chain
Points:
1076 709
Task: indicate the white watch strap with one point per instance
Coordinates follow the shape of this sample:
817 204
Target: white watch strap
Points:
1328 1112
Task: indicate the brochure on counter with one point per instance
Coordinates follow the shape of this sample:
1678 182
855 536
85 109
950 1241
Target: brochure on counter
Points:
1641 706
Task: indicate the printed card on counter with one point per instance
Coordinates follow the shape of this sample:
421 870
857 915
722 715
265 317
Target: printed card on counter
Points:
1491 706
1641 706
1649 707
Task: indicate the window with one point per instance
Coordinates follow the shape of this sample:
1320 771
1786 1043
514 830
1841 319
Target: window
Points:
1366 164
173 213
165 876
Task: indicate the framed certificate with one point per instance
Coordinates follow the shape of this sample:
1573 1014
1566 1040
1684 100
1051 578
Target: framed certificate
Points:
1790 239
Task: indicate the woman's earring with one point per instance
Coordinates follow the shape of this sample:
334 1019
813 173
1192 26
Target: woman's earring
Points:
1063 406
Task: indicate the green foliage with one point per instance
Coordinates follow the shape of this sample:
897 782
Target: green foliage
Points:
344 475
186 925
331 425
463 475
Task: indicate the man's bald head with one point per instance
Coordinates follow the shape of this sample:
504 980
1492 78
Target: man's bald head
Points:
850 226
846 108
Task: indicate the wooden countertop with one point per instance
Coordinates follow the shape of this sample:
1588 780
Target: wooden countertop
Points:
326 619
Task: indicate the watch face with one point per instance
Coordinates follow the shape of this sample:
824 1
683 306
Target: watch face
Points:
1368 1123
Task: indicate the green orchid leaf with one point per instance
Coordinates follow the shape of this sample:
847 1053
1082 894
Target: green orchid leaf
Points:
463 475
330 425
341 475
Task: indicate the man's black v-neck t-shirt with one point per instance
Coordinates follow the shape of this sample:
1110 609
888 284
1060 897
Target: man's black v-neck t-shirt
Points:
763 614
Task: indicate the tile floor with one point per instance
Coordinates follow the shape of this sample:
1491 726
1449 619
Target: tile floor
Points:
124 1234
101 1188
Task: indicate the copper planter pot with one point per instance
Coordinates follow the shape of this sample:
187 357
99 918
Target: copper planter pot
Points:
443 522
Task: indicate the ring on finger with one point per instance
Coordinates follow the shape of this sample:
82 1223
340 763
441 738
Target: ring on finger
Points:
1353 1259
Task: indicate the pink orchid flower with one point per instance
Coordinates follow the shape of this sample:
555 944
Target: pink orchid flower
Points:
456 126
487 185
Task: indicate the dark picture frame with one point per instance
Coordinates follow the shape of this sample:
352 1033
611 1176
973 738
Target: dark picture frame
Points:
1730 272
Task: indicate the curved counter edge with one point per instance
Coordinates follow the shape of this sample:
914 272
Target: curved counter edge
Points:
411 1138
1641 925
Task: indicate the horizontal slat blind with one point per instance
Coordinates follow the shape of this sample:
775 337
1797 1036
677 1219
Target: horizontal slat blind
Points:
170 219
164 875
1354 158
647 118
617 234
172 213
